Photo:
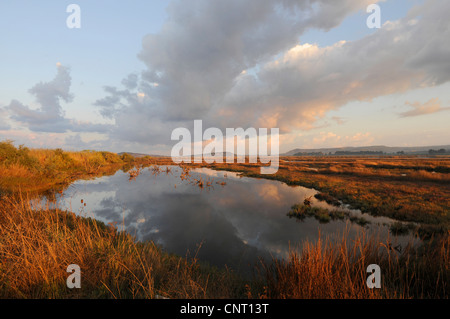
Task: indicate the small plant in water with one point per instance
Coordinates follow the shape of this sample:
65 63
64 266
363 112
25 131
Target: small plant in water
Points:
133 173
307 201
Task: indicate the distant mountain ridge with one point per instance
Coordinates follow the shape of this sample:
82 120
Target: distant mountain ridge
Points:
372 150
412 150
154 155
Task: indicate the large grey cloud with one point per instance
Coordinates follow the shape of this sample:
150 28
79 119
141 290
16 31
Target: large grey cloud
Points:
199 55
50 117
241 64
205 45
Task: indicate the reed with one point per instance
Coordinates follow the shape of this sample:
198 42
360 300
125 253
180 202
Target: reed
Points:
329 269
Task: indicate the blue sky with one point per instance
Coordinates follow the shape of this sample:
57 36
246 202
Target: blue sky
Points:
35 38
101 52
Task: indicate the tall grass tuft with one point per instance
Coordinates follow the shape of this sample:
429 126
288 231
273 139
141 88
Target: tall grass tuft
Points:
337 270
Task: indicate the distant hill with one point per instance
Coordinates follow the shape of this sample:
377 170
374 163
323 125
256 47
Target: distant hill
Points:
363 150
223 154
140 154
369 150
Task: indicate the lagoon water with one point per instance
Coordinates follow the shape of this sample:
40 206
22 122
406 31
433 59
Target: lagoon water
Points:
231 220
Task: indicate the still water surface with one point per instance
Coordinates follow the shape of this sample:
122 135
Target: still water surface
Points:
231 220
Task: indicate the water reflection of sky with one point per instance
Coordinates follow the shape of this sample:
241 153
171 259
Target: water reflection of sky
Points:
235 224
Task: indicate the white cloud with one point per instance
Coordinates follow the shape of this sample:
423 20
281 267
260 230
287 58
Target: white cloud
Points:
50 117
307 81
429 107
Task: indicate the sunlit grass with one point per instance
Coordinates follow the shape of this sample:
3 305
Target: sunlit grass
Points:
32 170
36 246
329 269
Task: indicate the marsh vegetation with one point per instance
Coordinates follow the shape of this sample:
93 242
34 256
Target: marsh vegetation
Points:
37 244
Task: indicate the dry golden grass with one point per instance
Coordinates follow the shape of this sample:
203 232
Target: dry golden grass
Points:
399 173
36 246
323 271
38 170
15 170
337 270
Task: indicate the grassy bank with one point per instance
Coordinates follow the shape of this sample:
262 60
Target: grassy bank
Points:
38 170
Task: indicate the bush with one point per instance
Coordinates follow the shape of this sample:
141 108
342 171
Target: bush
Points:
57 162
111 157
10 155
127 157
7 151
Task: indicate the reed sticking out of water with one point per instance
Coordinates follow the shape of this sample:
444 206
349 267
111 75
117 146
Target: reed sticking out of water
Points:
134 173
323 215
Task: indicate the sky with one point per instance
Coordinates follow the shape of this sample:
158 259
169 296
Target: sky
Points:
136 70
